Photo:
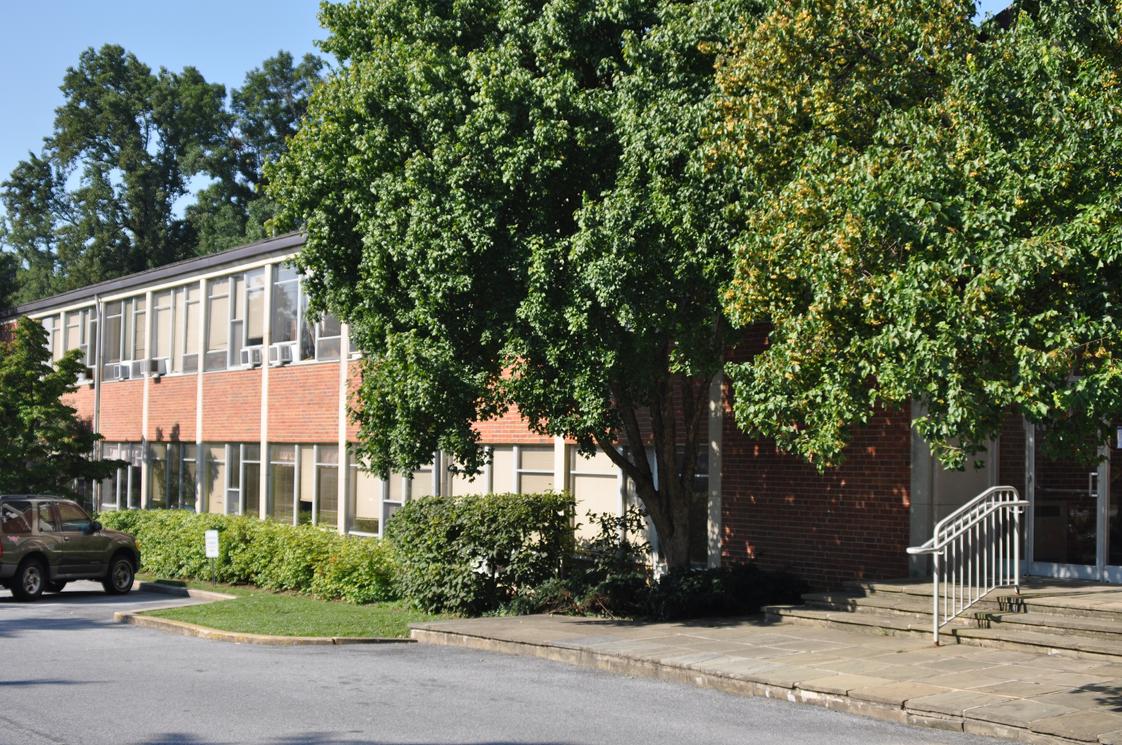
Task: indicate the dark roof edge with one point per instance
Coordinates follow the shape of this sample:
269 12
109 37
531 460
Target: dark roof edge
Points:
236 255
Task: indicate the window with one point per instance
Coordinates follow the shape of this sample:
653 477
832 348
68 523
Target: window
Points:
293 325
15 518
171 475
366 493
53 327
81 327
251 479
535 469
157 475
282 482
122 489
596 486
327 485
73 519
214 478
188 475
255 307
48 523
124 334
162 319
286 305
218 324
187 306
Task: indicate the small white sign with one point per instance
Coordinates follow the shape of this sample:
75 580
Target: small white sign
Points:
212 544
1118 437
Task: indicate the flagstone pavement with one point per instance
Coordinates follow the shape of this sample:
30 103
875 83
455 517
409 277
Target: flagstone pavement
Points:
1019 695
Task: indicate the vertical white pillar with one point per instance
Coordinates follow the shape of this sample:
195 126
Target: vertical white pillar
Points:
266 340
200 460
344 510
148 323
516 462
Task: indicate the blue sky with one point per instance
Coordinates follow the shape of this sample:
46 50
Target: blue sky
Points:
39 39
224 39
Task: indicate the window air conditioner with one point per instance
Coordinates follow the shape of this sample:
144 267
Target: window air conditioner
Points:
124 371
85 375
158 367
251 357
138 368
280 354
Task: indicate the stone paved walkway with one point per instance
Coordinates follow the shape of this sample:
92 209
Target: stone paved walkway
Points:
1012 694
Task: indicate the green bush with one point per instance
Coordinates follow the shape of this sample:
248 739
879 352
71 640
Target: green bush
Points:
471 555
611 577
271 555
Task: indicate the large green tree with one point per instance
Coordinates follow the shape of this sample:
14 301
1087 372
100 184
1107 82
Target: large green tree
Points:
100 200
110 192
934 213
264 114
44 447
507 201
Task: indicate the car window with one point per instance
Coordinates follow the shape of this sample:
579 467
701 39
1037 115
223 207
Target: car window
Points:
74 519
47 522
15 518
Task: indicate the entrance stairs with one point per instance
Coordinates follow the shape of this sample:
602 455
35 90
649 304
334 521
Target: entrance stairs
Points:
1073 619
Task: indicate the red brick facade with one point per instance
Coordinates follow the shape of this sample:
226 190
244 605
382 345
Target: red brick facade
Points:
304 403
171 408
232 406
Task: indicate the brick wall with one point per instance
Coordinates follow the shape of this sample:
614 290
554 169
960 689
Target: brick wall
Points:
232 406
304 403
82 401
848 523
171 408
122 408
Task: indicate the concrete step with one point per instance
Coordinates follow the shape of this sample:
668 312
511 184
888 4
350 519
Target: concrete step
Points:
1051 623
1072 642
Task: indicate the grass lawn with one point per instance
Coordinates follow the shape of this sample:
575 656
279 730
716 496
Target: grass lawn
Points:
262 612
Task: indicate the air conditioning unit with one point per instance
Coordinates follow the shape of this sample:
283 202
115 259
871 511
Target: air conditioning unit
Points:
138 368
251 357
280 354
85 376
158 367
124 371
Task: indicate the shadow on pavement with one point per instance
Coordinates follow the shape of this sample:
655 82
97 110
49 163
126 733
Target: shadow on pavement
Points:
316 738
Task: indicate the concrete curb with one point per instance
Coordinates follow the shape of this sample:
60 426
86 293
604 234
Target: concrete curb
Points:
183 628
180 591
894 710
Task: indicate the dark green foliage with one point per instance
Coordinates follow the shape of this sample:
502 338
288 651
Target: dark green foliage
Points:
509 205
270 555
470 555
937 220
44 447
100 200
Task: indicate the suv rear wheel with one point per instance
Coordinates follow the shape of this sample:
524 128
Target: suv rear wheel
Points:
118 580
30 580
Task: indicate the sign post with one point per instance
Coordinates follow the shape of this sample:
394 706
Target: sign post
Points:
212 552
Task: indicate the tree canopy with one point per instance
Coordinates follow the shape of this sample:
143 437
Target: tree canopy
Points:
508 202
932 213
104 197
44 447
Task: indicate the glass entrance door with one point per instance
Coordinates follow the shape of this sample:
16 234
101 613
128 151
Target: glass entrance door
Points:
1065 535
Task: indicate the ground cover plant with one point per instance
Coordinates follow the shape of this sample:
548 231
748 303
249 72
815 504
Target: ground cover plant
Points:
286 614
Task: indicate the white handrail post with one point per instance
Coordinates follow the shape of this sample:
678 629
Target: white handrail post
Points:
935 595
1017 549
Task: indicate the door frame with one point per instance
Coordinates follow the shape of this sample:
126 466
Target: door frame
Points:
1100 571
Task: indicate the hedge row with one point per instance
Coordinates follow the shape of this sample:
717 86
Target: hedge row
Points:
267 554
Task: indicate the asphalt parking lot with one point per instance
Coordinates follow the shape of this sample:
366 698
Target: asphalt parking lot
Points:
70 674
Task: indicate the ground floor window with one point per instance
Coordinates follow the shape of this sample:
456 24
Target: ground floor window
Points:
171 475
121 490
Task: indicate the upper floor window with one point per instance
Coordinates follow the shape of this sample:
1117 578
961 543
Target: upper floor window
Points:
124 333
80 328
53 326
293 324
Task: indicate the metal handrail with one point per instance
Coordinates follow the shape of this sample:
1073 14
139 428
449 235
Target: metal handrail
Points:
974 550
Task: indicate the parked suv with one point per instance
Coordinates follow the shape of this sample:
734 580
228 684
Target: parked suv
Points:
47 541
